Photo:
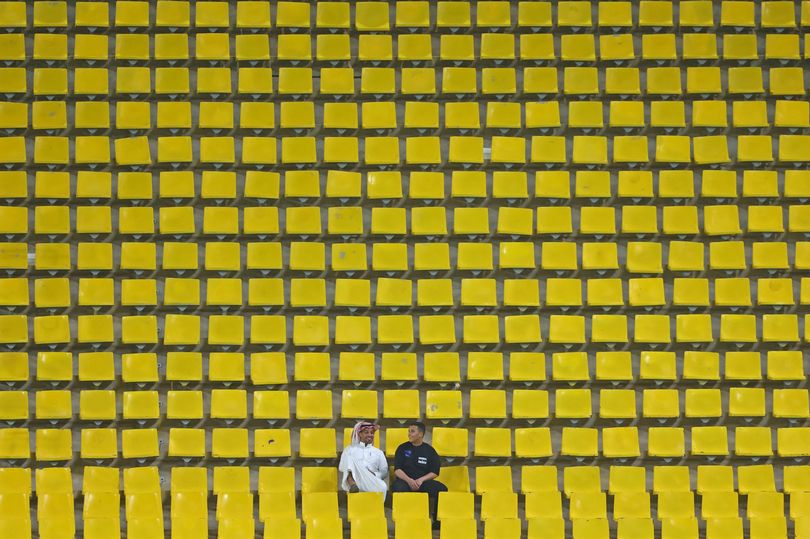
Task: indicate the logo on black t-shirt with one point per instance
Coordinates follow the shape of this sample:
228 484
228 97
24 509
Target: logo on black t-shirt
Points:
421 460
407 453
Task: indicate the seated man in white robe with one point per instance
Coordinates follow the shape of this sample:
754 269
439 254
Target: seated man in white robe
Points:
363 466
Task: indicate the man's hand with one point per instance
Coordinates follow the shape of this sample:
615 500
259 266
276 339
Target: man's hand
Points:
414 484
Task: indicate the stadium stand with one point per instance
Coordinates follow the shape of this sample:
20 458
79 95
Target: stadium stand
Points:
571 236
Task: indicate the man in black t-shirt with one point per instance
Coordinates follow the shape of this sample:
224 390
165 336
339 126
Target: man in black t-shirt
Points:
416 466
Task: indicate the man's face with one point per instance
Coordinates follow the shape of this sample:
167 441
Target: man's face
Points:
414 434
366 435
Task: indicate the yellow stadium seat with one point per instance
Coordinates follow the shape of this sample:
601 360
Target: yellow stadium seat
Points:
140 405
99 443
709 440
14 82
617 404
676 504
661 403
14 443
790 114
579 442
579 48
749 114
635 527
452 442
664 81
671 479
487 404
498 505
15 405
665 442
631 505
409 507
620 442
50 445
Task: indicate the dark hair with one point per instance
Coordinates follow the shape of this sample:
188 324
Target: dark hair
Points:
419 425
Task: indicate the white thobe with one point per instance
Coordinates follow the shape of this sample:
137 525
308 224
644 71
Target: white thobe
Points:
368 467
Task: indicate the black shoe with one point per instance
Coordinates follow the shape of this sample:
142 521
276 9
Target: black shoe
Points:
436 525
354 489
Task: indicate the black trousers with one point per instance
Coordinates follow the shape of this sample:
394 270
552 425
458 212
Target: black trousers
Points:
431 486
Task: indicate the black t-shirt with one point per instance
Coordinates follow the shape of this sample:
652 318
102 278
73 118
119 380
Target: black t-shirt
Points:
416 461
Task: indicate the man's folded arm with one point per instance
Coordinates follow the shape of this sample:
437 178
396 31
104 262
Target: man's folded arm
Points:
427 477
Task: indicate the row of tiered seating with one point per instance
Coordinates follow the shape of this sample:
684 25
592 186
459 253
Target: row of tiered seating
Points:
310 293
378 116
418 151
410 48
376 16
701 442
352 330
404 404
583 501
717 220
377 82
402 368
472 187
616 479
399 258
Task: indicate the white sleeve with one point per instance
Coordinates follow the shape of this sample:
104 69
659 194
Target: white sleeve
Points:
344 465
382 463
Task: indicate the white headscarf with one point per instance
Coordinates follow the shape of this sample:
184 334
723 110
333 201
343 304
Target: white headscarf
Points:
358 427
